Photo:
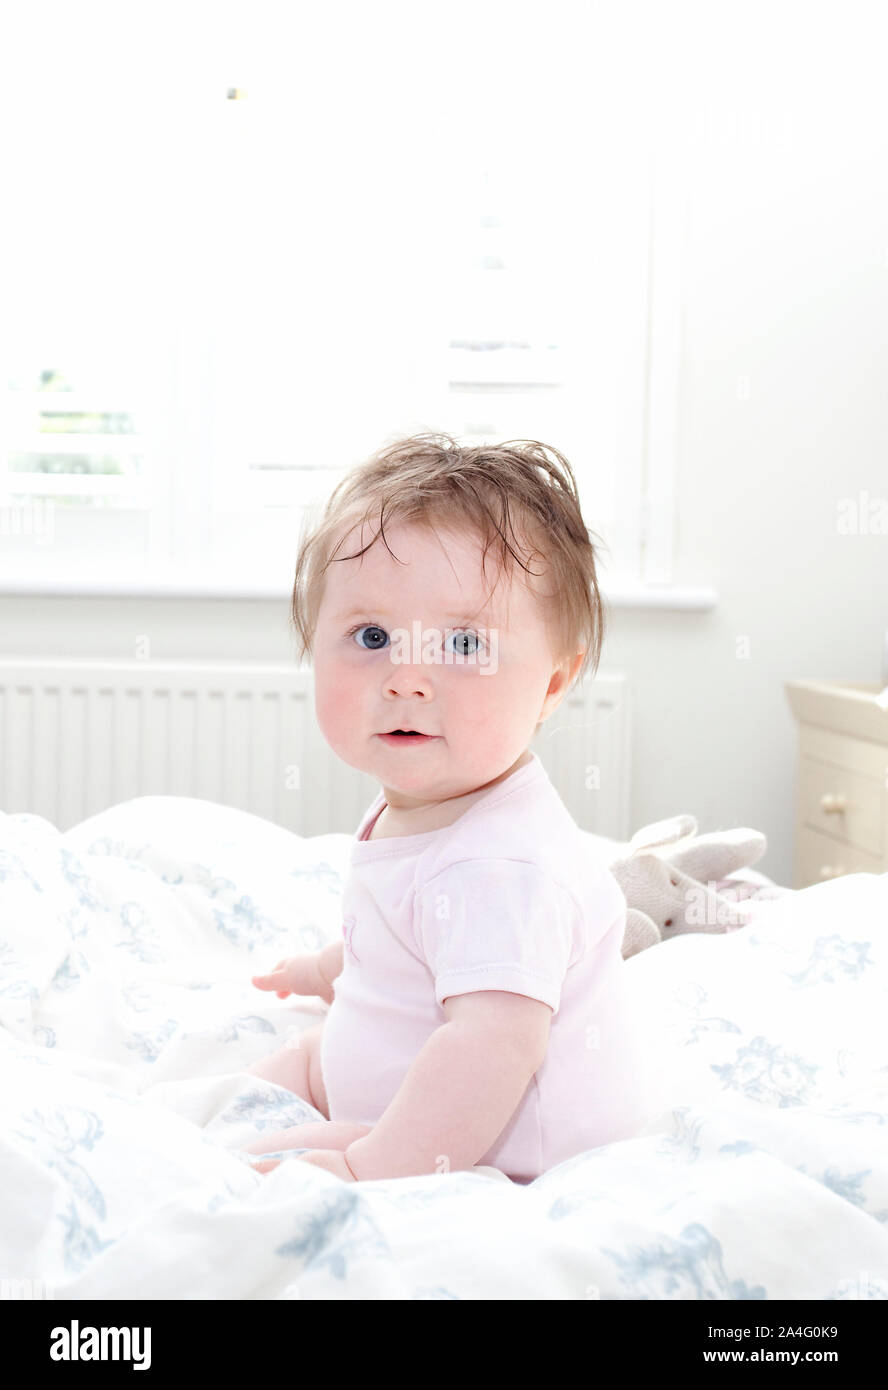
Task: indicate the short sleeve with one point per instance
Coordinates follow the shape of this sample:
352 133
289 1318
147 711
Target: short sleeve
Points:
500 924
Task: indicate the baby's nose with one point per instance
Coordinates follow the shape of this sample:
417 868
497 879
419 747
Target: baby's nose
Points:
407 680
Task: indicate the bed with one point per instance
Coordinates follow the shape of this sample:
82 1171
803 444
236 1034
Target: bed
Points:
127 1020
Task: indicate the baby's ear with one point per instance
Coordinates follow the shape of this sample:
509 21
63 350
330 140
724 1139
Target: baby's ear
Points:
575 664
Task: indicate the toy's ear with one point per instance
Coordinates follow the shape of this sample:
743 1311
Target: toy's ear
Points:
663 832
711 857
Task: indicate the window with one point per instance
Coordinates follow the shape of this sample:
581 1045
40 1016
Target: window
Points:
249 254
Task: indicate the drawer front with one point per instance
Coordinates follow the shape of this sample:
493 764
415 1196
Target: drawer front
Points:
843 804
856 754
819 857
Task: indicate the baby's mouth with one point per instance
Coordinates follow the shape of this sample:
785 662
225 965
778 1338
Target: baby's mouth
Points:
406 737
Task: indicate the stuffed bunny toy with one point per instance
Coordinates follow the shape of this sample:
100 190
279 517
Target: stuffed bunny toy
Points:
676 881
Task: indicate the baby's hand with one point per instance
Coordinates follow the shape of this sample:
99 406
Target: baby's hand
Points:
294 975
314 973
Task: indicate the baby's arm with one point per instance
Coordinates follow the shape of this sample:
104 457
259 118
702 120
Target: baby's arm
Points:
462 1089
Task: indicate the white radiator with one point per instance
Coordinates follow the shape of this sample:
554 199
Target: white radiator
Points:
77 736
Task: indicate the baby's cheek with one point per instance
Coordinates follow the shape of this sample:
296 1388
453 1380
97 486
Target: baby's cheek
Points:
492 699
337 703
486 717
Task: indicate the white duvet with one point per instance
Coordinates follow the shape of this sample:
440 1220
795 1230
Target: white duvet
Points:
127 1015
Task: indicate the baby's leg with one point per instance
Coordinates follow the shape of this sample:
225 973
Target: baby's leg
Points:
297 1066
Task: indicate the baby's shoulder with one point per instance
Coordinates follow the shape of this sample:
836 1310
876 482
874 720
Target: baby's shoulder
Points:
542 848
523 871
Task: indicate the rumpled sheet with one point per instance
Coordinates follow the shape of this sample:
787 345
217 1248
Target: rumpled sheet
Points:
127 1016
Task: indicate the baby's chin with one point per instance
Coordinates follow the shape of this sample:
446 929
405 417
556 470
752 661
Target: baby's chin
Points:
422 767
426 773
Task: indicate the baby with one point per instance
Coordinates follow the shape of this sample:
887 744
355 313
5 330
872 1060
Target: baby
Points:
478 1011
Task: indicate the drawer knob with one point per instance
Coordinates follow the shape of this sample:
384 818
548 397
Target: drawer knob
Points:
827 871
832 803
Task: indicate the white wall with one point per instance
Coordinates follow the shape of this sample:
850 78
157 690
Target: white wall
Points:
783 413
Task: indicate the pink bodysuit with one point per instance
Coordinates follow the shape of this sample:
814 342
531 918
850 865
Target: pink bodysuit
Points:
511 896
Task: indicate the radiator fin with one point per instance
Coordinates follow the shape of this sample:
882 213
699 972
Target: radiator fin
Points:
77 736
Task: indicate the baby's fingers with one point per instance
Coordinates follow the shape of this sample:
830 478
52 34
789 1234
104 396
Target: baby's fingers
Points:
273 980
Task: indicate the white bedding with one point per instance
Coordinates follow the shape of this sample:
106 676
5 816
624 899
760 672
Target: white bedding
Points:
126 1014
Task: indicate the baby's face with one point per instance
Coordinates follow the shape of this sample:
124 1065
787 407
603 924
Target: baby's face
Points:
368 680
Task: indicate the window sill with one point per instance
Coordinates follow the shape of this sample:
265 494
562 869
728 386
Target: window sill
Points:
207 586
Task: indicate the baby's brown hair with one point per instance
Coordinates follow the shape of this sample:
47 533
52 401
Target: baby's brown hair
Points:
427 478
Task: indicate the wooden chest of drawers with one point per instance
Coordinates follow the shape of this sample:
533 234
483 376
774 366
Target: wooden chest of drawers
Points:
842 797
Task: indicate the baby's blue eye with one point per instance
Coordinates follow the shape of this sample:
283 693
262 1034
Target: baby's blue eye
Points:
467 643
375 634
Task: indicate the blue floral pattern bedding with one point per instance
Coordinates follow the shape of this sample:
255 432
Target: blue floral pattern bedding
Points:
127 1018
